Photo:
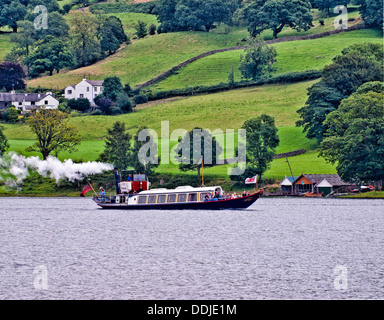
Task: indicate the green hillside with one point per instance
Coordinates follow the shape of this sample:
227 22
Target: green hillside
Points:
225 110
292 56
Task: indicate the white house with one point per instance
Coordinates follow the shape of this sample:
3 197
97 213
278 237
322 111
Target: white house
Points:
88 89
28 101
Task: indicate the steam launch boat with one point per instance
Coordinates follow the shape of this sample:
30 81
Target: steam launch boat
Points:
133 193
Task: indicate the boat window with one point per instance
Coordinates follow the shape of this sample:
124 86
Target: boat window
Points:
161 198
142 199
192 197
203 195
152 199
182 197
172 198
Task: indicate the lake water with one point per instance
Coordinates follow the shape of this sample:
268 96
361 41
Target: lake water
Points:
280 248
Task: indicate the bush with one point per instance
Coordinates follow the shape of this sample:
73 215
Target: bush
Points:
139 99
152 29
321 21
81 104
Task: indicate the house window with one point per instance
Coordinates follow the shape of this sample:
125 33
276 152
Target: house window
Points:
20 103
95 89
45 101
81 96
87 89
32 103
69 91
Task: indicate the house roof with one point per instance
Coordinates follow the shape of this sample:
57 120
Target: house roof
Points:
95 82
333 179
288 181
20 97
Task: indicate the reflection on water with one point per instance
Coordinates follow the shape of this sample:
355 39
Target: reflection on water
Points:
280 248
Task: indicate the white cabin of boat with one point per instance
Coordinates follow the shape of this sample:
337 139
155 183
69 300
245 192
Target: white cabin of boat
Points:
183 194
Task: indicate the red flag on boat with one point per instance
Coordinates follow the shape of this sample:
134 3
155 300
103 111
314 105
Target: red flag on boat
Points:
251 180
86 189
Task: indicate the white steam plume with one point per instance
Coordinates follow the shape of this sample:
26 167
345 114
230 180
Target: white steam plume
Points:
16 168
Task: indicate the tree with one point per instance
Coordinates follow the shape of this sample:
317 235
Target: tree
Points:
50 54
355 66
372 13
136 160
117 150
197 15
11 115
81 104
84 43
12 76
105 104
354 139
262 141
258 60
112 86
141 29
3 142
51 5
277 14
11 13
112 35
57 27
53 132
152 29
325 5
190 157
25 37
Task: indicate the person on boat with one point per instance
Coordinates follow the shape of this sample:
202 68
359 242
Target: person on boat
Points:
130 177
244 194
206 198
102 195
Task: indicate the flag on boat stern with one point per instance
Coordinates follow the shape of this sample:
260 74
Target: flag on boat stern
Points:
251 180
86 189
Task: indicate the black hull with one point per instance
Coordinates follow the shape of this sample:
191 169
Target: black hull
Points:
237 203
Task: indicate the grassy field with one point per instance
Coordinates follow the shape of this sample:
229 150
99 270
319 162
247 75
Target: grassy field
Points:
226 110
292 56
5 45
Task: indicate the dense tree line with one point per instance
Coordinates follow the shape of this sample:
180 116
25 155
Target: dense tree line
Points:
80 40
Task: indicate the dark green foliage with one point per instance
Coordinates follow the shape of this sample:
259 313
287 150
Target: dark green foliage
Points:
197 15
81 104
372 13
12 76
141 29
152 29
258 60
11 115
356 65
112 35
261 143
277 14
141 98
50 54
141 149
118 148
3 142
354 139
11 12
189 157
